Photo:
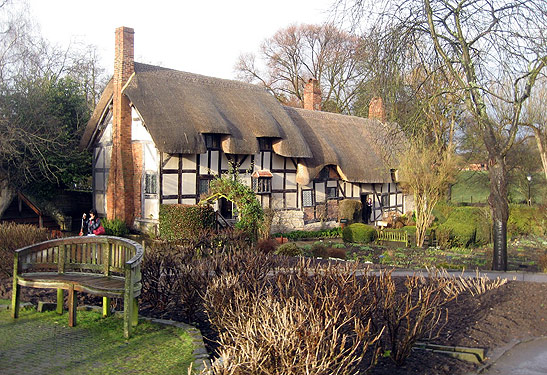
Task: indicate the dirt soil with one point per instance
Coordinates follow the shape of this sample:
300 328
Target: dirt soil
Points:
515 311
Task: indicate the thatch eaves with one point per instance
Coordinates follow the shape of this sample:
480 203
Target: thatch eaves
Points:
101 108
353 144
178 107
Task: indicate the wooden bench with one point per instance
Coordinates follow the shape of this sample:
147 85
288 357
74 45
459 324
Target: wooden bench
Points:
391 235
101 265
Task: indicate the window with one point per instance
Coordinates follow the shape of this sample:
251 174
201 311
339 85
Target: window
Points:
307 198
212 141
203 186
262 185
150 183
385 200
265 144
332 192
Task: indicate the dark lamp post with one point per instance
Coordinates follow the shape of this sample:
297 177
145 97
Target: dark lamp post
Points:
529 178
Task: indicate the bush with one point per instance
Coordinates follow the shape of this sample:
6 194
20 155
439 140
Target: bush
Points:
16 236
359 232
335 252
266 246
180 221
319 250
525 220
350 210
302 234
289 249
115 227
466 226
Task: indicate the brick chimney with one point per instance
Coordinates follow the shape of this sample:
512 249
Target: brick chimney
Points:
312 95
120 190
376 109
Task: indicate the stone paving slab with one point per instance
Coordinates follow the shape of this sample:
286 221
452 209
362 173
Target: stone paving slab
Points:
33 346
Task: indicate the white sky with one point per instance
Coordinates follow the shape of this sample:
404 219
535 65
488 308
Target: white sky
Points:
204 37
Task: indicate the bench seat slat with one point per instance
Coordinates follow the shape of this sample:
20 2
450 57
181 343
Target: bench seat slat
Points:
101 285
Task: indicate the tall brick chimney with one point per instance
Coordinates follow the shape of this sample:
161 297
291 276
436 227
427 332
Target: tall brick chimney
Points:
120 190
376 109
312 95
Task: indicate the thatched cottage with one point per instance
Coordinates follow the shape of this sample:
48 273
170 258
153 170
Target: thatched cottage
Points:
159 136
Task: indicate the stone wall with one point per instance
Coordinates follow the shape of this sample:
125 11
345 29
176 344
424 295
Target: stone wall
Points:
287 220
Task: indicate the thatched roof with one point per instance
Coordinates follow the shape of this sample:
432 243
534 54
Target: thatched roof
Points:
353 144
91 128
178 107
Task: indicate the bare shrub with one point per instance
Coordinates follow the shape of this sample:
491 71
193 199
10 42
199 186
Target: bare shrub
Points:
337 253
412 313
266 245
13 237
297 323
475 286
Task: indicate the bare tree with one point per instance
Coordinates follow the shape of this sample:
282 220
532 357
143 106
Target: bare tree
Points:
535 118
299 52
482 45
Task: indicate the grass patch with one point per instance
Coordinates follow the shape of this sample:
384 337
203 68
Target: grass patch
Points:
96 345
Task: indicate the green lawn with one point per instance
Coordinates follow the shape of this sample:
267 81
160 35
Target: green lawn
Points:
474 187
44 343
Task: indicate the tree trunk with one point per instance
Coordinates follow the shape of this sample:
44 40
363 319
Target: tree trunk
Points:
500 210
541 140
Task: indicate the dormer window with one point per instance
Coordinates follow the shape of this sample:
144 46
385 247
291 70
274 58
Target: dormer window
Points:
212 141
262 182
265 144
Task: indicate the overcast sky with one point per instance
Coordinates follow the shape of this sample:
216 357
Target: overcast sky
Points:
204 37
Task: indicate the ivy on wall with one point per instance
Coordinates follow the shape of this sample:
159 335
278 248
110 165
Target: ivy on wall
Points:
251 214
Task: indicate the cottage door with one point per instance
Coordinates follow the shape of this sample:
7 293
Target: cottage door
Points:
225 207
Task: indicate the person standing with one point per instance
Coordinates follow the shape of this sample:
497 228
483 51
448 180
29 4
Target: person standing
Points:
367 211
92 224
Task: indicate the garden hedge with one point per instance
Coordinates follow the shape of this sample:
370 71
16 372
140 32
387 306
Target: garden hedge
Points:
524 220
180 221
359 232
350 210
466 226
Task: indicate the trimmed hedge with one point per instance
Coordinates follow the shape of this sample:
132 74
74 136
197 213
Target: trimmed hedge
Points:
358 232
180 221
289 249
524 219
350 209
302 234
466 227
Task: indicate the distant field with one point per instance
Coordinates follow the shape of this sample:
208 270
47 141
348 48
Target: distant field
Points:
474 187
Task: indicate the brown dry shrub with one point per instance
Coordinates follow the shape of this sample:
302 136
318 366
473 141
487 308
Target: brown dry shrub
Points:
337 253
542 262
296 323
266 245
412 311
13 237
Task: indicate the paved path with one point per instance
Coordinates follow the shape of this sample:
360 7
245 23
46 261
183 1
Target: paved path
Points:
527 358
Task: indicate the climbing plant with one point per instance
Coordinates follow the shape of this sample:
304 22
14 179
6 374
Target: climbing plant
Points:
250 211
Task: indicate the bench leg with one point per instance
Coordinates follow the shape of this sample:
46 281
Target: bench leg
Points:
60 301
72 304
106 307
15 298
135 311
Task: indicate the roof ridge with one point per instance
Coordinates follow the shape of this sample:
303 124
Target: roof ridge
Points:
197 78
323 114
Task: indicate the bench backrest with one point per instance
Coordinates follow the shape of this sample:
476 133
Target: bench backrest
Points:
106 255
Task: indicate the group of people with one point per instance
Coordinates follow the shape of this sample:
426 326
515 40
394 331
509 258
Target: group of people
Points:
91 226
